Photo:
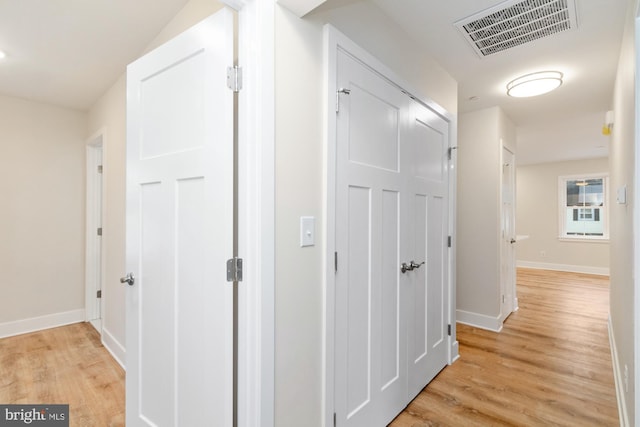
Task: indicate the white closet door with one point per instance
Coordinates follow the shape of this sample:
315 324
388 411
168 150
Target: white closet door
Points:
428 213
392 208
371 375
179 230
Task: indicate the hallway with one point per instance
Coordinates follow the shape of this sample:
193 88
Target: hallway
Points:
550 365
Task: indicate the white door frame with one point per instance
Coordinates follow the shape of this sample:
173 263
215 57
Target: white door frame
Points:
256 217
334 40
507 284
95 217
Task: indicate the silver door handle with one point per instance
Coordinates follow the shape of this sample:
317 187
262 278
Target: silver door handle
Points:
129 279
413 264
404 267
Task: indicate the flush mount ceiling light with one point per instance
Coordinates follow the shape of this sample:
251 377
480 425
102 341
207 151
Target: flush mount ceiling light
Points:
534 84
2 55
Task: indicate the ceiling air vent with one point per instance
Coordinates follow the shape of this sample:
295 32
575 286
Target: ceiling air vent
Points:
514 23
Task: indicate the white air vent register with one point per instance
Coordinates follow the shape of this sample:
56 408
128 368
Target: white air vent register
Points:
517 22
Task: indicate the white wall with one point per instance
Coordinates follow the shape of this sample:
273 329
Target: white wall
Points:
42 174
623 165
481 135
299 183
537 217
109 112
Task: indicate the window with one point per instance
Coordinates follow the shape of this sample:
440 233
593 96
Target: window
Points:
584 207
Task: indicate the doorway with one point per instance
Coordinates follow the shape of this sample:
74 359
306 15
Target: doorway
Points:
508 235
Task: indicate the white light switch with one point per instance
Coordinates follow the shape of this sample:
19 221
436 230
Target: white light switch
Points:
622 195
307 231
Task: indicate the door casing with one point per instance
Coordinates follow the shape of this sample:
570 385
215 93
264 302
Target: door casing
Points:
333 41
95 217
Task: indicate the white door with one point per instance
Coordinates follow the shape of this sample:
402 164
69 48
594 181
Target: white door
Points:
180 230
508 256
428 202
391 208
371 376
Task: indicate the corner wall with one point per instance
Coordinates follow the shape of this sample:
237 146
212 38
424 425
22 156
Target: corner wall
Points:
537 217
623 164
481 135
42 176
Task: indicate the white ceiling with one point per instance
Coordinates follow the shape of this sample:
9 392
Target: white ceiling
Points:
564 124
68 52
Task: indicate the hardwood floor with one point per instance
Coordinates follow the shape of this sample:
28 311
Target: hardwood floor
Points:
550 365
66 365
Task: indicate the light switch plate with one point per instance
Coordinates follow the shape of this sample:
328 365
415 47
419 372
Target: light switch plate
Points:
622 195
307 231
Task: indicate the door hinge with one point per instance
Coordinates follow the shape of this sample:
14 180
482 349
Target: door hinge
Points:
335 261
234 270
99 231
450 152
99 168
449 329
99 294
234 78
448 241
338 92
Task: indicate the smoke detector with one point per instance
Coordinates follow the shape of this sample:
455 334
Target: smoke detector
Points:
516 22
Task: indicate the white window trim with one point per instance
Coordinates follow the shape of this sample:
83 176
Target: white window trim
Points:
562 194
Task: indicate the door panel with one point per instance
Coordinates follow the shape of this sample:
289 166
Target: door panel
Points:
375 144
428 187
180 230
359 299
370 344
390 289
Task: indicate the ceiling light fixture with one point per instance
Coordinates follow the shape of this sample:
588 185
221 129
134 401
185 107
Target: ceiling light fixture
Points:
534 84
2 55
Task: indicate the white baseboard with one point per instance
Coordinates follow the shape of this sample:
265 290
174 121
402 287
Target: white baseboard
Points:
25 326
479 320
601 271
623 414
114 347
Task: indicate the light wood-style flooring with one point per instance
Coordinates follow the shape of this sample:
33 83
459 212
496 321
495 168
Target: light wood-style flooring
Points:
550 365
66 365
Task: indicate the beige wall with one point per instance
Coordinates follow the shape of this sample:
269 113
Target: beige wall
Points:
42 175
300 181
109 113
623 167
537 216
481 135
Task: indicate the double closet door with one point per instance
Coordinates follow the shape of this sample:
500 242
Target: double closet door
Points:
392 221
